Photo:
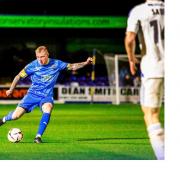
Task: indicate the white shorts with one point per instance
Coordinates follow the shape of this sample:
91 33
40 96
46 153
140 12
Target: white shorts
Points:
152 92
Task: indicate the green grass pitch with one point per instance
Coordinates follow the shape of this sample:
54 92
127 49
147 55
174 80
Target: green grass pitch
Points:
80 132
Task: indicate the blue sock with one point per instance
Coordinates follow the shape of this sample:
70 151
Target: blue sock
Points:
43 123
8 117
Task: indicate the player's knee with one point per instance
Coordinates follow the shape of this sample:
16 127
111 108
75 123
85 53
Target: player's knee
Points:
47 108
154 111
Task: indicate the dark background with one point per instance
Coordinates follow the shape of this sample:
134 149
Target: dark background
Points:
68 7
71 45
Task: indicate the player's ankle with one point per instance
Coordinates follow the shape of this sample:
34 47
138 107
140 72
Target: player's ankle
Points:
3 120
38 135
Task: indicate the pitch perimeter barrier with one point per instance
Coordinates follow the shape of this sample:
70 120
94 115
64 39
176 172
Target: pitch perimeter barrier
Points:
77 94
18 94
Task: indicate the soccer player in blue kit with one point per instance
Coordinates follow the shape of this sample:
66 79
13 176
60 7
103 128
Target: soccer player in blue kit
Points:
44 72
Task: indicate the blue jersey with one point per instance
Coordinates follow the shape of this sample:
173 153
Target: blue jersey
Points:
43 77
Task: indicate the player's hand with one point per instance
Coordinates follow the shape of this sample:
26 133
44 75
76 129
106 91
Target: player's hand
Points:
132 65
89 60
136 60
132 68
9 92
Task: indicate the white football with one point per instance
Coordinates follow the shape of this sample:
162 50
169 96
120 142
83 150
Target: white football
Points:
15 135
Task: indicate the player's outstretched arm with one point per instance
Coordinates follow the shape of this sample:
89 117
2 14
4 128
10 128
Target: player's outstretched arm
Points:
76 66
13 85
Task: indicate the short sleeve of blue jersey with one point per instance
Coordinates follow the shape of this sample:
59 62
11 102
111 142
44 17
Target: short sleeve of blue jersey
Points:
29 69
62 65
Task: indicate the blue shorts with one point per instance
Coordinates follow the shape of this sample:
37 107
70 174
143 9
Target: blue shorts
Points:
30 101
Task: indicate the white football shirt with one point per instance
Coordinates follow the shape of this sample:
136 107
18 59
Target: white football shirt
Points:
148 18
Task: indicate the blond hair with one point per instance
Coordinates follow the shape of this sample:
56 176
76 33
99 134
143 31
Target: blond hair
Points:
41 48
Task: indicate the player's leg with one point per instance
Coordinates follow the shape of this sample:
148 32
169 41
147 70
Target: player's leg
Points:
27 104
155 130
46 107
151 115
151 99
13 115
